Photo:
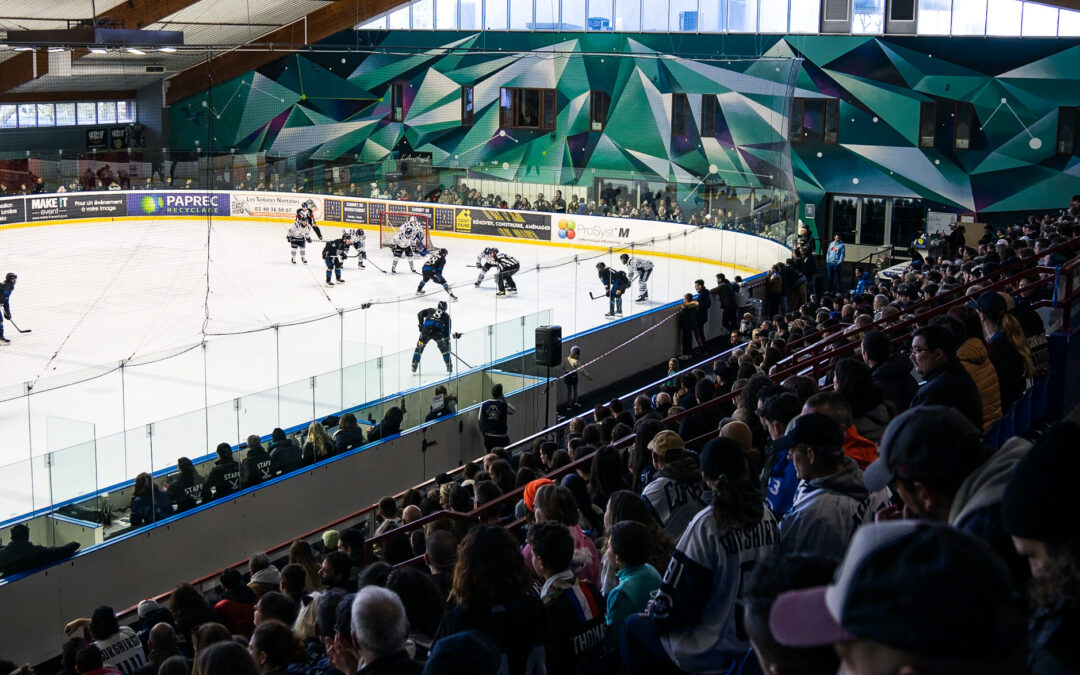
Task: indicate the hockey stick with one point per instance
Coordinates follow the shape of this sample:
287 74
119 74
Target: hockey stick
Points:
597 297
20 329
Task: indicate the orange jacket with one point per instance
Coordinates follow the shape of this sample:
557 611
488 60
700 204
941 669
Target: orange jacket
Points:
860 449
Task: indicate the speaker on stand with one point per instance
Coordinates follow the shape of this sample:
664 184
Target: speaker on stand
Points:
548 353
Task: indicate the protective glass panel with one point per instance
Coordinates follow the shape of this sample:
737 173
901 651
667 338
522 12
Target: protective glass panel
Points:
935 17
446 14
180 436
471 12
573 14
1003 17
969 17
773 16
423 14
72 462
547 15
599 15
399 18
296 403
1039 20
868 16
654 15
712 13
683 16
627 15
742 16
1068 23
521 14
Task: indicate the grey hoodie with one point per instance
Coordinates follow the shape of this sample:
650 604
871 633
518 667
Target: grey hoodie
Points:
985 486
827 511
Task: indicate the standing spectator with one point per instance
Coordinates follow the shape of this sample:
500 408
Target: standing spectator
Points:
629 544
933 350
379 630
972 352
674 493
890 372
687 323
492 418
118 645
20 555
937 463
701 317
774 290
725 296
834 262
910 598
492 588
575 608
1037 509
832 501
695 623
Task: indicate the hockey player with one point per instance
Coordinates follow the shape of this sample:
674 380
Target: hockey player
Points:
408 240
432 271
333 254
434 324
615 282
640 269
357 237
299 235
6 289
484 263
507 266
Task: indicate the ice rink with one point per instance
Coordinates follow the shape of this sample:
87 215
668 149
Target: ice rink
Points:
144 291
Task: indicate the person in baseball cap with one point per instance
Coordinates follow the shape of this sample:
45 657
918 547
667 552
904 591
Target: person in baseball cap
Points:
677 472
832 500
910 597
1037 511
935 460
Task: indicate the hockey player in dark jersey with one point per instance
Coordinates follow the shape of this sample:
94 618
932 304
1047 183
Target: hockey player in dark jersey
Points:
333 254
506 267
434 324
6 289
615 283
433 271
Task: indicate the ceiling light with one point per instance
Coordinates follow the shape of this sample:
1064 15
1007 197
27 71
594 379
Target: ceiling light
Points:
138 52
24 49
167 50
98 50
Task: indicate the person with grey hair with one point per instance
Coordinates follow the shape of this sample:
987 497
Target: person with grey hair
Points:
379 632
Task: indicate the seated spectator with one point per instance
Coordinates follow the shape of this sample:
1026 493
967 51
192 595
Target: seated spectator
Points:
556 503
275 606
890 372
389 426
775 575
1008 347
574 608
958 614
933 350
225 658
301 553
862 450
440 556
694 625
625 506
236 609
442 405
334 572
148 503
118 646
379 630
492 588
866 401
210 634
20 555
190 610
779 478
424 603
255 468
224 478
349 435
162 645
351 542
674 493
1037 513
88 661
186 487
607 475
274 647
832 501
319 445
938 464
293 580
285 457
264 576
630 547
972 352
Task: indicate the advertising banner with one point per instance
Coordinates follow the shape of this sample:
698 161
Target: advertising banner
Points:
97 139
179 204
271 205
74 205
509 224
354 212
443 219
12 211
331 210
598 230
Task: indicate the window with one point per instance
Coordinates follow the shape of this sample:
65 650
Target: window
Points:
868 16
683 16
832 120
397 102
106 112
934 17
805 16
599 101
495 15
9 117
467 106
446 14
969 17
965 114
1066 130
679 111
527 108
796 120
573 15
1068 23
815 119
1003 17
742 16
399 18
1039 20
547 15
599 15
628 16
654 15
27 115
471 13
708 116
713 15
65 114
773 16
927 124
521 14
423 14
125 111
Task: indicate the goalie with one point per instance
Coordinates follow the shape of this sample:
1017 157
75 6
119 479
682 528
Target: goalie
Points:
409 240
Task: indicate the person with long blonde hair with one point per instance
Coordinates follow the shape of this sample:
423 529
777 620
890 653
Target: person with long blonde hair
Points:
1008 347
300 553
318 446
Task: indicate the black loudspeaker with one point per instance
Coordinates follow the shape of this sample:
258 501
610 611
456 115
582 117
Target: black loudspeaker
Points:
548 345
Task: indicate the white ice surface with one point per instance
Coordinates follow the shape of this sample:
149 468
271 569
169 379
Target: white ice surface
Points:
97 294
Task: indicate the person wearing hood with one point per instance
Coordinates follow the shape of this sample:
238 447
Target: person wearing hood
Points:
831 501
285 456
890 372
935 460
673 496
1036 509
973 353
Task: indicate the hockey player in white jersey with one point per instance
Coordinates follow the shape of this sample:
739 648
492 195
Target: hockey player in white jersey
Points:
640 269
357 239
506 266
299 234
408 240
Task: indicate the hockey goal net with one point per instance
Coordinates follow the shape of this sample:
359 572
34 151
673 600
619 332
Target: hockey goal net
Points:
392 221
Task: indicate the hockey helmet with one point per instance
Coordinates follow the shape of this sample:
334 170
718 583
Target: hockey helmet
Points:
346 235
494 251
488 250
624 257
443 252
308 204
11 276
442 304
600 265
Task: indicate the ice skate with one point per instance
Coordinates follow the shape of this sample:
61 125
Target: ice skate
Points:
609 315
4 341
477 284
499 294
294 261
340 280
419 291
453 298
329 282
449 369
303 260
413 367
361 265
642 298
